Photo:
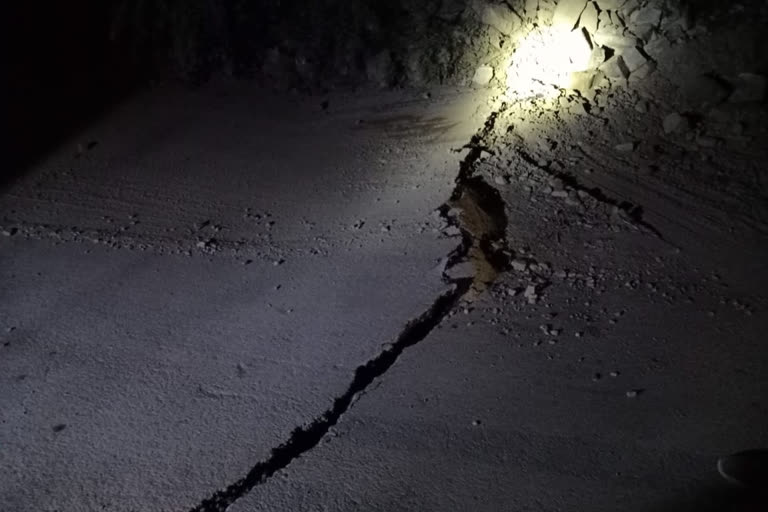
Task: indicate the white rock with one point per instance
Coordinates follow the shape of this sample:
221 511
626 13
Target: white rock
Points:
483 76
531 294
500 180
589 18
519 265
567 13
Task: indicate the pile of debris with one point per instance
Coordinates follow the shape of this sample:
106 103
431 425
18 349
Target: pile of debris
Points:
621 36
326 43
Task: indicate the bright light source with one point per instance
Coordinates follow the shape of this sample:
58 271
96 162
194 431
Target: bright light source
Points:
545 60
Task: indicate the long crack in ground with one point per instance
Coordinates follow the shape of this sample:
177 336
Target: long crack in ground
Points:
478 211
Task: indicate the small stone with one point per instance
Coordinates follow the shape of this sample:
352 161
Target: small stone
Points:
560 194
476 423
501 180
633 393
483 76
625 147
452 231
519 265
675 123
614 374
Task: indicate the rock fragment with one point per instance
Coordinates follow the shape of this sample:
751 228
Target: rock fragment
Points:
483 76
633 59
675 123
589 18
567 13
531 294
498 16
615 68
625 147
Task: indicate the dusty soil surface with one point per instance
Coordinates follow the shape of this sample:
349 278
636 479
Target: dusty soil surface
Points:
232 300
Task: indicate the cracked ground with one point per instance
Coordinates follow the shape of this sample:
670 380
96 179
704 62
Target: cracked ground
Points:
381 301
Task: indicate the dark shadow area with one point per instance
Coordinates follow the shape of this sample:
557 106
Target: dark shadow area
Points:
61 72
721 498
